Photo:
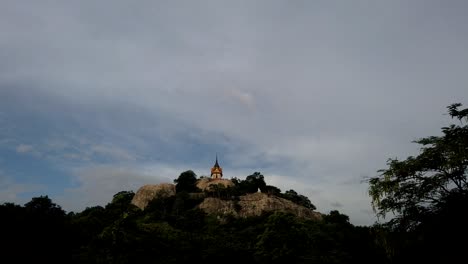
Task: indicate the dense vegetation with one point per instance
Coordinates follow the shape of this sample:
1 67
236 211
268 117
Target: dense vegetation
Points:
170 230
427 196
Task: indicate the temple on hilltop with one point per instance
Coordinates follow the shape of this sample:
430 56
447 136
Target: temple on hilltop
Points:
216 171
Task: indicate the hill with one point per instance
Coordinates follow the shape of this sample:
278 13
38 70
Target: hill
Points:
213 199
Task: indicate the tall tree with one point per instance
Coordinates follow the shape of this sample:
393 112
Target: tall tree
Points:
255 182
187 182
418 187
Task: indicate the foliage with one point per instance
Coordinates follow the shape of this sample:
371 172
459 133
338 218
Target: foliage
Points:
416 187
120 204
298 199
123 197
283 240
35 228
252 184
173 230
187 182
256 182
428 196
335 217
269 189
43 205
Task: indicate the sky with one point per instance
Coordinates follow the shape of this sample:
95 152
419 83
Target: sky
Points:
98 97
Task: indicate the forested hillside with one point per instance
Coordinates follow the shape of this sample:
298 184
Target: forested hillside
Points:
426 197
173 229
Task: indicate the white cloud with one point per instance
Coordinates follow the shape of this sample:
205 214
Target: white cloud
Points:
28 149
331 91
22 148
10 190
112 152
244 98
85 148
96 184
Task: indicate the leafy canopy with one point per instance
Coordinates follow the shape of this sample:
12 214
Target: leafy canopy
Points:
419 186
187 182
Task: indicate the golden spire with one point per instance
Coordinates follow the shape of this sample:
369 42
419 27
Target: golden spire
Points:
216 171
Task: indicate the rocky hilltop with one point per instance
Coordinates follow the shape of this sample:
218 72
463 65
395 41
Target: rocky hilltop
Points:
205 183
253 204
146 193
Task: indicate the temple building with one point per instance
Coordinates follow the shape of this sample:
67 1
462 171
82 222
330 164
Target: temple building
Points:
216 171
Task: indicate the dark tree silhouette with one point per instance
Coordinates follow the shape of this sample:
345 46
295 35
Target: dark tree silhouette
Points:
428 196
413 188
186 182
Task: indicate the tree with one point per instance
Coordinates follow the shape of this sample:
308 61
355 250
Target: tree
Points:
299 199
336 217
285 239
43 205
251 184
187 182
419 187
269 189
45 227
254 182
120 204
123 197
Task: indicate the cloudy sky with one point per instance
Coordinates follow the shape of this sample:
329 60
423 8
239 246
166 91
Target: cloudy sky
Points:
102 96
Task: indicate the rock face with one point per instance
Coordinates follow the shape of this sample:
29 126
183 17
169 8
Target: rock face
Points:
205 183
254 205
249 205
148 192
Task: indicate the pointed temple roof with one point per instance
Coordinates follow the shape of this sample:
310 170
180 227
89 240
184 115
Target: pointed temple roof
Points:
216 170
216 164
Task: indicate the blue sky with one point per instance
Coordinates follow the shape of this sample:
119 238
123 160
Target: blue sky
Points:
102 96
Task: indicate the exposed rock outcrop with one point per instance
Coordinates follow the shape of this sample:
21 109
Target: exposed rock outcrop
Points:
254 205
249 205
205 183
148 192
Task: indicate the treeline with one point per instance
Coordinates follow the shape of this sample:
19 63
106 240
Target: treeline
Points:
172 230
426 196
